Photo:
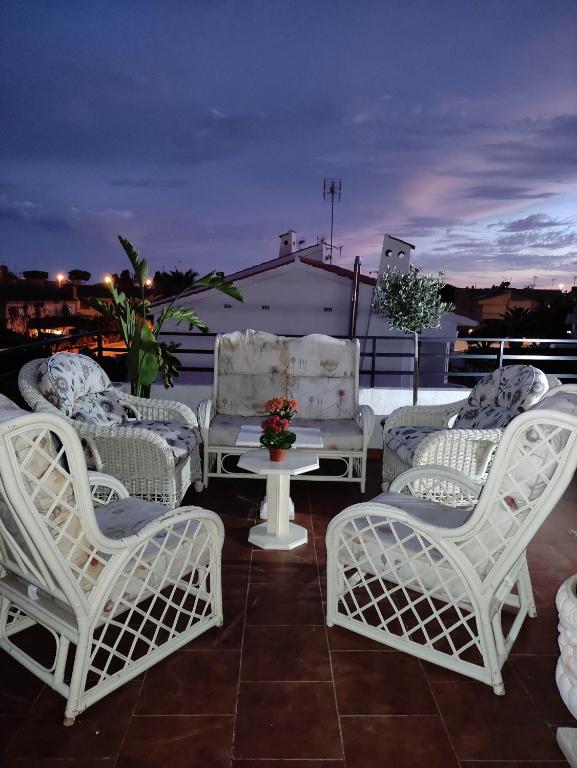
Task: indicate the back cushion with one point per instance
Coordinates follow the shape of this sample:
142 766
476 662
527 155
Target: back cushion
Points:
507 391
79 388
322 376
251 370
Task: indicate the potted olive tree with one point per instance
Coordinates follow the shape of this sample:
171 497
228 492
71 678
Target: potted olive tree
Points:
148 356
410 302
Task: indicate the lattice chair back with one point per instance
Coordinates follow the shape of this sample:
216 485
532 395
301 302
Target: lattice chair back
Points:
533 466
46 507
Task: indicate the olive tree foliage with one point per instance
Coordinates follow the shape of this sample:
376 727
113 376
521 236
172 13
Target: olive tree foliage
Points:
411 302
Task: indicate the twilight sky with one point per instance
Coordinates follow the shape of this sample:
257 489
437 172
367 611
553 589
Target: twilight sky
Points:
203 129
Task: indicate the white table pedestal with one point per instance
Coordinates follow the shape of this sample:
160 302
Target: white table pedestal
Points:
278 532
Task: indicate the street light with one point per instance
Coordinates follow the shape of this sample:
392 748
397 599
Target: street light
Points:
60 278
148 282
108 279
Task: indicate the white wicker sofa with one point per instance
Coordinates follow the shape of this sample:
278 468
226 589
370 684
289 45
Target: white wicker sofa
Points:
118 582
462 435
152 446
321 372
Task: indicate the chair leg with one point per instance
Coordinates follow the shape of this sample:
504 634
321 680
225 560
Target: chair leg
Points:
526 591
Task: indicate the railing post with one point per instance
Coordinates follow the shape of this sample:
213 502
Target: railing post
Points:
373 361
500 355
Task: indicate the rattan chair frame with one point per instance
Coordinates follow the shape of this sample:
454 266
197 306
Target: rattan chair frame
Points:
135 599
140 458
440 593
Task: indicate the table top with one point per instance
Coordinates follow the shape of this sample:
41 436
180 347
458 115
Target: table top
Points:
307 437
295 462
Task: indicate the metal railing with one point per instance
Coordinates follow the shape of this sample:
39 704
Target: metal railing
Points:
384 359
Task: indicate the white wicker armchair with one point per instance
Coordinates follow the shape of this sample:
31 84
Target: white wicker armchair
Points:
119 582
134 446
419 435
433 579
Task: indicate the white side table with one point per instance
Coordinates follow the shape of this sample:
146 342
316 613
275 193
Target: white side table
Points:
278 532
307 437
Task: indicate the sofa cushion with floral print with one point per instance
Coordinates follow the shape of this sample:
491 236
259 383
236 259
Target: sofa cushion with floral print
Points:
501 396
181 438
80 388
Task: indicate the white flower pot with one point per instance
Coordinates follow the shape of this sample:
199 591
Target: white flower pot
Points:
566 672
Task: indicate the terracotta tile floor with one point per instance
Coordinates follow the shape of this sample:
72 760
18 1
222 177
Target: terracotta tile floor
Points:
275 685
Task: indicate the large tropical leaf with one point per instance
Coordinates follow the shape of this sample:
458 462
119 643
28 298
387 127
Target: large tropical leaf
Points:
142 359
217 280
180 314
139 264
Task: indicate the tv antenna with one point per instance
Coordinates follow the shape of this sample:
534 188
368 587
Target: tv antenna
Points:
332 193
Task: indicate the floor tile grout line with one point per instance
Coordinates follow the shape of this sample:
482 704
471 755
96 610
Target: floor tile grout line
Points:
330 658
440 714
131 716
238 682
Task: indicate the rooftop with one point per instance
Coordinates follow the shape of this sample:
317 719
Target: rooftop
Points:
274 683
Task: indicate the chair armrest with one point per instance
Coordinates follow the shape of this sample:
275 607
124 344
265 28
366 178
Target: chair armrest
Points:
105 488
366 421
158 410
467 450
165 521
206 411
439 484
422 415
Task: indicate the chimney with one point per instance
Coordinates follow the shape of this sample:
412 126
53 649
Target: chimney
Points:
395 254
288 243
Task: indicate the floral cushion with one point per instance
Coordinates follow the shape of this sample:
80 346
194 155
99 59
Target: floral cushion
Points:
404 441
319 371
485 417
79 388
181 438
514 388
101 409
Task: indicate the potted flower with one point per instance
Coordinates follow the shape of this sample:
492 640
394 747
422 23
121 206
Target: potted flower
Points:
275 433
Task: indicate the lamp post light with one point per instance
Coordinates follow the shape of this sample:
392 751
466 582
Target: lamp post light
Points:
108 279
60 278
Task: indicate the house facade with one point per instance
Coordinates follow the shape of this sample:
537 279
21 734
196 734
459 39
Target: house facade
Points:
301 292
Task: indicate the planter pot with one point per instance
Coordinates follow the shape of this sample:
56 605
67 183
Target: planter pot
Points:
277 454
566 672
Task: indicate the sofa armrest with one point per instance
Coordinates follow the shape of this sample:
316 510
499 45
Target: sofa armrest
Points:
466 450
206 411
158 410
366 421
422 415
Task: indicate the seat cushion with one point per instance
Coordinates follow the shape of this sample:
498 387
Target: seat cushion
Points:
337 434
512 389
126 517
80 388
404 441
181 438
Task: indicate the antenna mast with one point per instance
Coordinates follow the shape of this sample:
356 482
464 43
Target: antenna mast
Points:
332 193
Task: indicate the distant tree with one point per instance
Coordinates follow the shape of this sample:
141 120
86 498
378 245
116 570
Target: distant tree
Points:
174 282
410 302
126 278
79 276
35 274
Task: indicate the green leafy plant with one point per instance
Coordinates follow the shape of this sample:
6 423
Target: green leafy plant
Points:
411 302
148 356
